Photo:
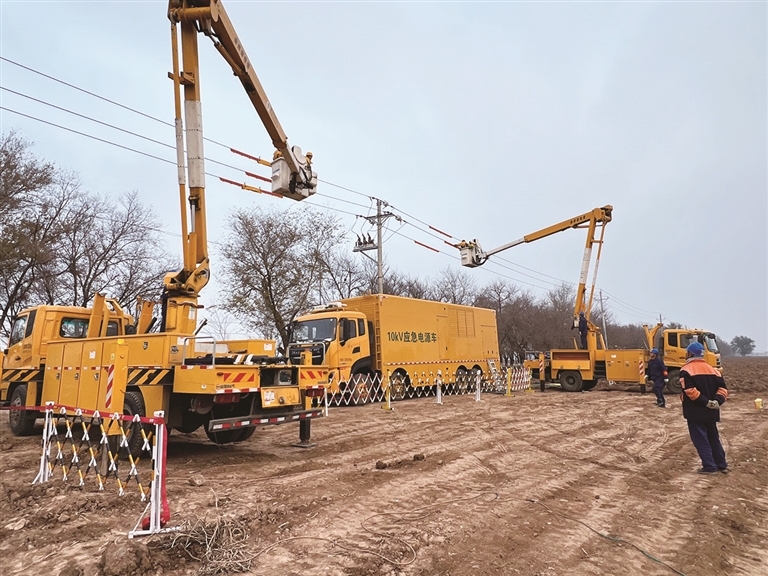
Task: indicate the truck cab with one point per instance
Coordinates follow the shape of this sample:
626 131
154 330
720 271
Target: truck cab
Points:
338 338
33 329
673 345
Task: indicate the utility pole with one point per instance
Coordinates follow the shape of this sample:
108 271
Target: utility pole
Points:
380 251
602 315
365 244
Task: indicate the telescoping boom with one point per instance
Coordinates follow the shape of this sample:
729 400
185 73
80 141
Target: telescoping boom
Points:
472 254
292 174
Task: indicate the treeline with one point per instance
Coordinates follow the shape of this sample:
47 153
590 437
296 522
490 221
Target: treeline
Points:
60 245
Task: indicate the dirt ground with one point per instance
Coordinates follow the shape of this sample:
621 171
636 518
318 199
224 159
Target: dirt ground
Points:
600 482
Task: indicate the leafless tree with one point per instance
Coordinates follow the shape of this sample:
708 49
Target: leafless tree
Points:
60 245
342 275
455 286
272 263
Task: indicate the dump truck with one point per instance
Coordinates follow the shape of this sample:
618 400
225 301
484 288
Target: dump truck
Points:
397 339
229 388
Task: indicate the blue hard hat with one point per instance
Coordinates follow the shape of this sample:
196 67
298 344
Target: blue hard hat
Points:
654 350
696 349
581 313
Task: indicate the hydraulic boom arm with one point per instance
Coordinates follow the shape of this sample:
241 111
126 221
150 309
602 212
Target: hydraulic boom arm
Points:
292 174
472 255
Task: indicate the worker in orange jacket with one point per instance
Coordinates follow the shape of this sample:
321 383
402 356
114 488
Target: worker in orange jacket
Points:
704 391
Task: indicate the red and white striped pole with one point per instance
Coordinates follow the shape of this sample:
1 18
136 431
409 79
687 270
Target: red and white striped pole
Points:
110 382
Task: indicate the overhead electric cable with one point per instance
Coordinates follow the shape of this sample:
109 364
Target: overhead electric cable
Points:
123 106
430 229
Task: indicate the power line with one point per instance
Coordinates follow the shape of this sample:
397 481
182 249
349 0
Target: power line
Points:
429 231
123 106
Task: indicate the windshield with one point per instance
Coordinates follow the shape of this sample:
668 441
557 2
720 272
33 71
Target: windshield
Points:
711 343
314 330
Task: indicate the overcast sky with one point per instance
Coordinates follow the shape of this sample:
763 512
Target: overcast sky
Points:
485 120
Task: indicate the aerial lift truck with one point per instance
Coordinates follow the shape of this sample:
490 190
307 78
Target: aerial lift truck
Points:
108 362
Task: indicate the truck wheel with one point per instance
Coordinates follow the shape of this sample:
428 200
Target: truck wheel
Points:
360 388
133 405
473 376
673 386
399 385
226 436
570 381
461 381
589 384
247 433
22 421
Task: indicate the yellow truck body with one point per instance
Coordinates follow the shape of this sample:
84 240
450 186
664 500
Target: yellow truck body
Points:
578 370
227 386
407 339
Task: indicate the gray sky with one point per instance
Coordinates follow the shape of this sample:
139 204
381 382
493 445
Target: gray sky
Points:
485 120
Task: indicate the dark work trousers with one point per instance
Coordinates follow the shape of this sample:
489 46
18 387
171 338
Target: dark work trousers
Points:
583 341
658 389
707 442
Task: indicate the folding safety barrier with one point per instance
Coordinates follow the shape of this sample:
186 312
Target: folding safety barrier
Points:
83 445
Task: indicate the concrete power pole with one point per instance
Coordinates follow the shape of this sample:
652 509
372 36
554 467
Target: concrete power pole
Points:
380 251
365 245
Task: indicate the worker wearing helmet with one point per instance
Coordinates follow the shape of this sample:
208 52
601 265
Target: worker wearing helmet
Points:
583 330
657 373
704 391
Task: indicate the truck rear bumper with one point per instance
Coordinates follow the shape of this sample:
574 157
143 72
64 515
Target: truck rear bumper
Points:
251 421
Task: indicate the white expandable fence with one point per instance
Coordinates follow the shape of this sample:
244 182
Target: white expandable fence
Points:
366 389
85 446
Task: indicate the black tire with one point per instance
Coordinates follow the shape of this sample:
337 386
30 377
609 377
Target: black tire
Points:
673 386
360 388
226 436
22 422
589 384
247 433
461 381
399 385
133 405
571 381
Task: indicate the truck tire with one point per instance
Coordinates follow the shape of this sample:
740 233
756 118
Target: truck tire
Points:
360 388
589 384
461 381
133 405
570 381
22 422
226 436
247 433
399 385
673 386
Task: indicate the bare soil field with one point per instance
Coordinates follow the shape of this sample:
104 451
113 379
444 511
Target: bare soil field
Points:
552 483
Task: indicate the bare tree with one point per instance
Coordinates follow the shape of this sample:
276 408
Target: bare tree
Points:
107 246
272 262
454 286
341 275
34 195
60 245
